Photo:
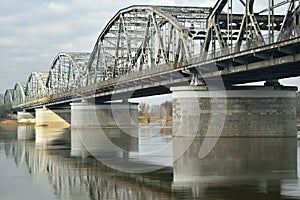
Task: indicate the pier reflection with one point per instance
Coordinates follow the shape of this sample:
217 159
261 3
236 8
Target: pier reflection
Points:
45 136
248 168
237 168
86 178
135 150
243 158
26 133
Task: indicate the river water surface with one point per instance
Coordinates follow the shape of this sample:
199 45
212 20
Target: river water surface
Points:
40 163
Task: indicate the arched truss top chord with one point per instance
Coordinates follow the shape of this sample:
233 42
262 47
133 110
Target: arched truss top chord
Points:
142 37
8 97
36 86
68 71
19 93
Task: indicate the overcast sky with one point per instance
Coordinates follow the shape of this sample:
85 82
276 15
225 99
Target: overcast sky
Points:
32 32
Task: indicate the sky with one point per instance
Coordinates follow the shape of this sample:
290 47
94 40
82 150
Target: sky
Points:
33 32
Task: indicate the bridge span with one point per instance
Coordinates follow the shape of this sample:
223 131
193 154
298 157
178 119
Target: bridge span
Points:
197 53
144 50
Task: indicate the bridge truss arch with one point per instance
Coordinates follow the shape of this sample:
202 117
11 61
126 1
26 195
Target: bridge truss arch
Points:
67 72
36 86
8 97
19 93
143 37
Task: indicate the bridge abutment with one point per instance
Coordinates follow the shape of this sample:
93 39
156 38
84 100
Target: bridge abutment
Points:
243 132
109 129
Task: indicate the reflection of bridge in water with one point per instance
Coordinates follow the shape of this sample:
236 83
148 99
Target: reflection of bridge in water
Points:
202 53
87 178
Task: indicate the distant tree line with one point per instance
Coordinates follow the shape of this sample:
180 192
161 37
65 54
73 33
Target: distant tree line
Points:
156 112
2 111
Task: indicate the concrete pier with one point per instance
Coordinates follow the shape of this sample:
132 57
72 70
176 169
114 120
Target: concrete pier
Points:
24 117
53 117
223 134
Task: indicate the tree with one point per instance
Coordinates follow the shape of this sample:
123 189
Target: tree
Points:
157 112
144 109
2 111
166 108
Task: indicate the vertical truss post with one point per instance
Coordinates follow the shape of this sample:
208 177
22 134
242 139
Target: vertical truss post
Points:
271 21
229 25
127 41
170 42
144 44
161 49
69 76
117 51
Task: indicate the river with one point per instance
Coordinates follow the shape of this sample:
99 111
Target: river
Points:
40 163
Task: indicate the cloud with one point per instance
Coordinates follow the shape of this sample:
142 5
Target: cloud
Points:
56 7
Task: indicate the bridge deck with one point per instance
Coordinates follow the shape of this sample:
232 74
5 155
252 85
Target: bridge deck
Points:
269 62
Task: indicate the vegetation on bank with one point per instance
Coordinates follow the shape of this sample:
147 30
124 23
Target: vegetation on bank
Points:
8 122
156 113
3 117
2 112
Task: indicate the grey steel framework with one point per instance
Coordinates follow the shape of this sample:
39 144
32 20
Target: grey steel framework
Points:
142 37
148 40
68 71
8 97
19 96
36 86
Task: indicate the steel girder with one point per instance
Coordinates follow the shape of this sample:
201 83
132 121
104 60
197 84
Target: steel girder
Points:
36 86
67 72
19 94
142 37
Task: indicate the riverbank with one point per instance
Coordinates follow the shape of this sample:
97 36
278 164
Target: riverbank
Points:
8 122
154 120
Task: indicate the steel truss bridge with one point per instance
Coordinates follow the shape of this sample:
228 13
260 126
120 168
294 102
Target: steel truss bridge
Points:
143 50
